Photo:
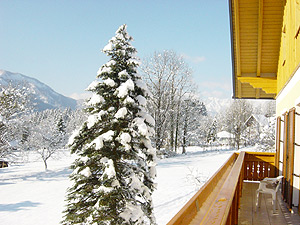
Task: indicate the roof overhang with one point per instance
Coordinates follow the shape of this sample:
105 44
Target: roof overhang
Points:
256 27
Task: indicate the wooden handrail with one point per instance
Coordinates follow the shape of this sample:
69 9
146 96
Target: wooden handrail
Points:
217 202
218 213
201 201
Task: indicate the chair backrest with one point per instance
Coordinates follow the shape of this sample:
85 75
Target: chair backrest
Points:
279 179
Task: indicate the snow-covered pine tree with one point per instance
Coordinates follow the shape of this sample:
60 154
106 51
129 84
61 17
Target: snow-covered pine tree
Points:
113 174
211 136
61 127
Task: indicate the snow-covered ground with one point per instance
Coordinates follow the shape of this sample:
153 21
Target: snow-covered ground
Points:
30 195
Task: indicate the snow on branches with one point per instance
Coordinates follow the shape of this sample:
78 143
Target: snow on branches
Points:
113 176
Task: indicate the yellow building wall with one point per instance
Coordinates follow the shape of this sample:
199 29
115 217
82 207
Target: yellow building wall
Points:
288 81
289 96
289 57
288 74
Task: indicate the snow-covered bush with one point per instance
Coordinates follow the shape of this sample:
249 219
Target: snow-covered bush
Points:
267 137
196 177
164 153
113 174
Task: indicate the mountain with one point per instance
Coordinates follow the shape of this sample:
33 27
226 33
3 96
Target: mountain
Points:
44 97
216 105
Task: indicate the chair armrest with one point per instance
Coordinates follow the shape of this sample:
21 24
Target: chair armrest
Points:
267 185
269 179
265 182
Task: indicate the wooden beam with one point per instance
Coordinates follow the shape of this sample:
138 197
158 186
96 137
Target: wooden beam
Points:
291 155
237 38
270 75
278 136
259 41
285 149
257 93
268 85
239 92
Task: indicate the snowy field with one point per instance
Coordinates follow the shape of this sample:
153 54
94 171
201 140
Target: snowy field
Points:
30 195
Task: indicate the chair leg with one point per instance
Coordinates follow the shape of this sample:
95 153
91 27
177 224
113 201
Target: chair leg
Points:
258 199
274 201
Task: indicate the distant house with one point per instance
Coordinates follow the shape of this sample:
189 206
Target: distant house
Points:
225 138
257 120
254 125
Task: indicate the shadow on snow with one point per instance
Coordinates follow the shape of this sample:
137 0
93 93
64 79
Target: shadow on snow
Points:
18 206
48 175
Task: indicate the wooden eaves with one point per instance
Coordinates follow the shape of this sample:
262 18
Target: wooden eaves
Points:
256 27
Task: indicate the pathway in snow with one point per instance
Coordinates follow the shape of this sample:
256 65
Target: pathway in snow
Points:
29 195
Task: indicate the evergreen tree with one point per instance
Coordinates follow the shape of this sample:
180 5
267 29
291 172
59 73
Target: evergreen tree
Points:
113 175
61 127
212 133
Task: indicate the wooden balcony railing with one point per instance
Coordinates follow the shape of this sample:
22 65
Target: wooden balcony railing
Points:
259 165
218 201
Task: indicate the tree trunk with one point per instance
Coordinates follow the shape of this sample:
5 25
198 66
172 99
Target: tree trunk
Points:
172 132
177 125
185 128
45 163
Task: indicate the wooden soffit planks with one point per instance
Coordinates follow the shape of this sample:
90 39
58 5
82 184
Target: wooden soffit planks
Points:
256 27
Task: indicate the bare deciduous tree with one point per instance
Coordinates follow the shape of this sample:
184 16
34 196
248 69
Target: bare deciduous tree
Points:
193 116
13 103
46 134
235 118
168 78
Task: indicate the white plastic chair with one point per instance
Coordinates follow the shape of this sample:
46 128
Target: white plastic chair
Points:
268 186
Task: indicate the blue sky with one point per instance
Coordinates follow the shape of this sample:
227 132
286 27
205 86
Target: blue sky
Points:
59 42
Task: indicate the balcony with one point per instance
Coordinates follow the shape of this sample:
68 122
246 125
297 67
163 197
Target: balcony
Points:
229 196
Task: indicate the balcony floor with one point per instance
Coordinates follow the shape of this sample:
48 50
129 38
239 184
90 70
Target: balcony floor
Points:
264 214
